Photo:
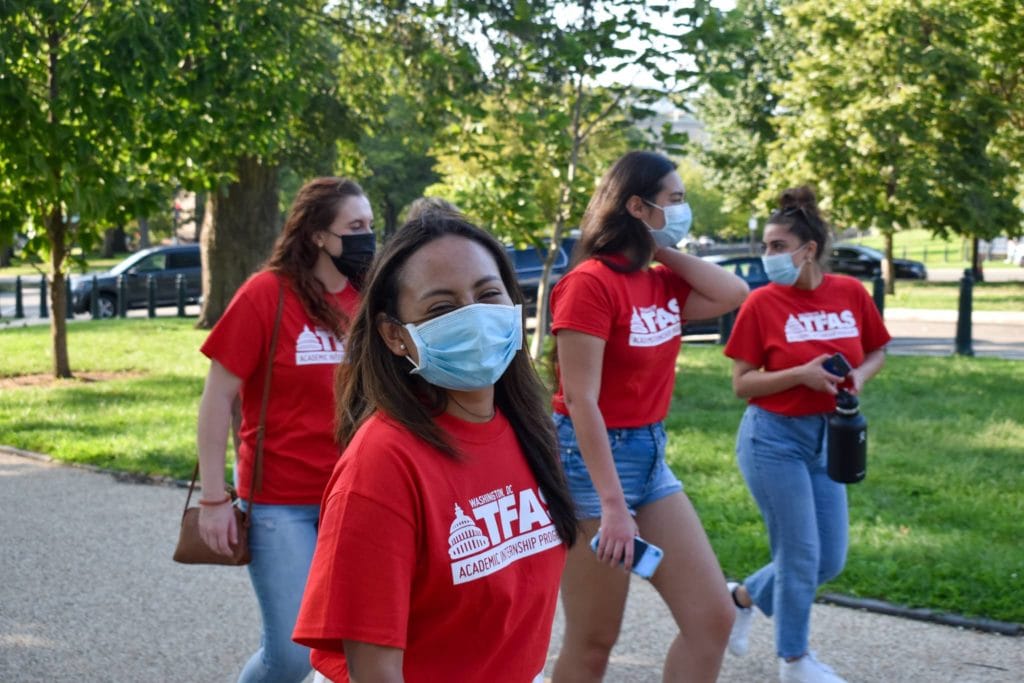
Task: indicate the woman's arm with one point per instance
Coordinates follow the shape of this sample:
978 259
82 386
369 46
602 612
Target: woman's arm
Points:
749 381
216 522
580 358
368 663
873 362
714 289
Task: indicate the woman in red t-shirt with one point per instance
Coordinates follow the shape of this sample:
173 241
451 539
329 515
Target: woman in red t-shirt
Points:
316 266
445 523
782 336
618 320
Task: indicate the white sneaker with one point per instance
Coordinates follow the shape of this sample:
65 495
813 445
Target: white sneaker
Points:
807 669
739 641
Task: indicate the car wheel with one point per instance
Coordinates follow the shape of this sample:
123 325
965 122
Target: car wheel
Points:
106 305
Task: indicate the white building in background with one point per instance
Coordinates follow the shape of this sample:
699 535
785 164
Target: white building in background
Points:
681 122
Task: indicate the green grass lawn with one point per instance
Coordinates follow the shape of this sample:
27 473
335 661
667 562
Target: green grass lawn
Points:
28 270
921 245
986 296
936 523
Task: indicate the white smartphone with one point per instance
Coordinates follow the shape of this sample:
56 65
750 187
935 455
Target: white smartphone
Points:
646 556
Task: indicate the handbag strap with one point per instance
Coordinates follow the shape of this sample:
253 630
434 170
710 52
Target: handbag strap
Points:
257 469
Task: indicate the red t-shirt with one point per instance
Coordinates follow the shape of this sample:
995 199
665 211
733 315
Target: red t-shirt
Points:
781 327
638 315
454 561
299 450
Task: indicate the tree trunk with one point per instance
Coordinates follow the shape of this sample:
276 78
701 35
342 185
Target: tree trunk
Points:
6 254
200 214
390 218
888 271
977 274
56 231
143 233
240 225
114 242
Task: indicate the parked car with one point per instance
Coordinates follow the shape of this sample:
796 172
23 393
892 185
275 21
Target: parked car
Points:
865 262
163 263
750 268
529 265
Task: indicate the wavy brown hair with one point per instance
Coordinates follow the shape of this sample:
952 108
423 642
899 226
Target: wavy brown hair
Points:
607 227
314 209
374 379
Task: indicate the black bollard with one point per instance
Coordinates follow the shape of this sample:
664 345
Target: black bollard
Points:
725 326
151 295
94 299
963 323
878 293
19 303
122 297
43 310
179 283
69 302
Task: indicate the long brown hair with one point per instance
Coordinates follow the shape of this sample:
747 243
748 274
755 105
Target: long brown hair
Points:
607 227
295 253
374 379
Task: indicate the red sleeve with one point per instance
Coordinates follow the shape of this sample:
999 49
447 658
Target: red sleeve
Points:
360 581
874 334
239 338
675 284
746 341
581 302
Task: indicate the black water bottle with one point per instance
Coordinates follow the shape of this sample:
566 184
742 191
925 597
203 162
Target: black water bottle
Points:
847 440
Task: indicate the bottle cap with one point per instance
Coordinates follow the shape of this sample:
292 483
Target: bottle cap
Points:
847 403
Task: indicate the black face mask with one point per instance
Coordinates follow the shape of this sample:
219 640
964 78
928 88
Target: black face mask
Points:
356 256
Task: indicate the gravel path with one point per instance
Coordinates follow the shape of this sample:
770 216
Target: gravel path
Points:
88 593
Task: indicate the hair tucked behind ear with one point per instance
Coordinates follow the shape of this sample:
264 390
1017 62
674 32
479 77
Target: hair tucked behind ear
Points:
798 211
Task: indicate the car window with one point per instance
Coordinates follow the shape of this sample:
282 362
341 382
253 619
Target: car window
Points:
530 259
151 263
183 259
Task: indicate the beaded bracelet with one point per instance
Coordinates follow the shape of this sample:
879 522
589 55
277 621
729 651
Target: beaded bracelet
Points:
213 503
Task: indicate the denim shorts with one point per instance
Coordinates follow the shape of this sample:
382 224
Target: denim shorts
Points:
639 454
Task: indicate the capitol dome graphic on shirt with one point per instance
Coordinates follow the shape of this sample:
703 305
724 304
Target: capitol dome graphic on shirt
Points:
636 323
308 341
464 537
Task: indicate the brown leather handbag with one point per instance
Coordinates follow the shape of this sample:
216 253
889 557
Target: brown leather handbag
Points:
191 548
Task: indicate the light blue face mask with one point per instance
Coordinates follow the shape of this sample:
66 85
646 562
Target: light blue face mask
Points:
468 348
780 268
678 219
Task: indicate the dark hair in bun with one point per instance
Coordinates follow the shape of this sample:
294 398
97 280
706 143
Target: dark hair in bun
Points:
798 212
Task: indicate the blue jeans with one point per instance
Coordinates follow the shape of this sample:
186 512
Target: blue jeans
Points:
639 455
281 539
783 460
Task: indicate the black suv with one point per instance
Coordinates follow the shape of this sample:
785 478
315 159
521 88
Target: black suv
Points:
529 264
164 264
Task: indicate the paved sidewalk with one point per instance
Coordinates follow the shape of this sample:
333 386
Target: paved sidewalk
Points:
88 593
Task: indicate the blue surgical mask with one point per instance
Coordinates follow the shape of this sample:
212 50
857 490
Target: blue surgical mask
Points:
678 219
780 268
469 348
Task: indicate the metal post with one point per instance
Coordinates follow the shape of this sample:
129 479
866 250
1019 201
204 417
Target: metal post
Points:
725 322
963 323
19 303
180 284
151 295
122 297
43 311
94 298
878 293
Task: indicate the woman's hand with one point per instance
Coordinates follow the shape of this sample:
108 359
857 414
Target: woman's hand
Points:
815 376
618 529
218 527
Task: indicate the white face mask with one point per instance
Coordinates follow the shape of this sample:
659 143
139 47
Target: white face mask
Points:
780 268
678 219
